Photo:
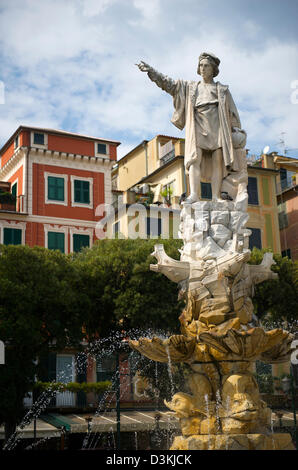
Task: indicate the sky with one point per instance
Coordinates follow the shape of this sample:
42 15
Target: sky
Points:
70 65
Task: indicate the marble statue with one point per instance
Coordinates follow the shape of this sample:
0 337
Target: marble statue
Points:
214 141
220 340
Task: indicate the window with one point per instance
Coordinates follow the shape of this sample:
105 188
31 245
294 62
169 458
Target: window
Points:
16 142
252 189
102 148
82 191
55 188
80 241
168 192
287 253
282 215
153 226
105 368
116 227
14 190
255 238
56 241
206 191
38 138
12 236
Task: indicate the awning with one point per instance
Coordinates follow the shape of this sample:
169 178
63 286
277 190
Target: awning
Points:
43 429
130 421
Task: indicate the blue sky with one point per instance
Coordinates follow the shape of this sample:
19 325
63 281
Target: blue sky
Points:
69 64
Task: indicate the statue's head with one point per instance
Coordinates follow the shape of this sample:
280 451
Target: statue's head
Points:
209 59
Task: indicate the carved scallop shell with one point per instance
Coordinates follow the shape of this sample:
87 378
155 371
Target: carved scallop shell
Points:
249 345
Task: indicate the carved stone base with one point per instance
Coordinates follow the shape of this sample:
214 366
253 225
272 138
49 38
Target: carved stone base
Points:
234 442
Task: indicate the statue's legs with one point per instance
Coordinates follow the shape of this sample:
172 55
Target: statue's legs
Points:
194 172
216 177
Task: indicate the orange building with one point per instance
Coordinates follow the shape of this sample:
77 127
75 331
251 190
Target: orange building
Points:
58 179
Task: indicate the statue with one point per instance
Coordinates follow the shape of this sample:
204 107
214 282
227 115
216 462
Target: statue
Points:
212 125
221 339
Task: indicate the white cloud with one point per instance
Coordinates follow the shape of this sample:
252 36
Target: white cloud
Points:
70 65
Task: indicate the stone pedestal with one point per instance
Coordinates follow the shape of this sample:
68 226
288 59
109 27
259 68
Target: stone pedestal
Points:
234 442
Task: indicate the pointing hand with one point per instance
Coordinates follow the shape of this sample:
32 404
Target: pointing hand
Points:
143 66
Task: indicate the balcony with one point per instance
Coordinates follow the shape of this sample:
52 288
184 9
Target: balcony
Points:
10 203
285 184
166 152
167 157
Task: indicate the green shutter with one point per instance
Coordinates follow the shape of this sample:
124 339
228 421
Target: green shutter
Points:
102 148
56 241
266 192
82 191
12 236
80 241
206 191
269 232
55 188
14 190
252 189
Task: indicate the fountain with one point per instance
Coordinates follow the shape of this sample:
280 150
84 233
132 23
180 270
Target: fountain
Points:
220 338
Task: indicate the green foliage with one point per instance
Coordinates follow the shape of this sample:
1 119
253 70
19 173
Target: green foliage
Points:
265 382
87 387
7 198
120 288
275 300
38 305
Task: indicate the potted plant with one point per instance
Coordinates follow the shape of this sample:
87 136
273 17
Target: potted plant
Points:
167 193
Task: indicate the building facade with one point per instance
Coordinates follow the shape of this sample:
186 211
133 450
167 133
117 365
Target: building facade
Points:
58 179
287 200
153 172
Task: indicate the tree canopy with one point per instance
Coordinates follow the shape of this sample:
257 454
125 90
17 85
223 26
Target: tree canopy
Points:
275 300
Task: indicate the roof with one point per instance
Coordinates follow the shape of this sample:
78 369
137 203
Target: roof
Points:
146 142
54 131
135 148
260 168
161 168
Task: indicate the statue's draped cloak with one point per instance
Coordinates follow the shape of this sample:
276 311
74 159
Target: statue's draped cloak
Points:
184 98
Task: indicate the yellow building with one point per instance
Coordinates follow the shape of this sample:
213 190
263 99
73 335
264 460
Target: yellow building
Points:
153 172
287 200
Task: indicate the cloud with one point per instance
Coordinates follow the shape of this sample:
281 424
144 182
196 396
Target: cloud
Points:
70 65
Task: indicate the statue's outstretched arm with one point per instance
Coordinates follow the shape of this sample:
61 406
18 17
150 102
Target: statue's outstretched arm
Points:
164 82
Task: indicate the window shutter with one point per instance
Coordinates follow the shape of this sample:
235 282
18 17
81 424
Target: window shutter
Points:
12 236
56 241
252 189
206 191
55 188
80 241
255 238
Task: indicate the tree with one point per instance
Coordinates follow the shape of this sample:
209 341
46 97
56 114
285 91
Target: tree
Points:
39 309
275 300
122 292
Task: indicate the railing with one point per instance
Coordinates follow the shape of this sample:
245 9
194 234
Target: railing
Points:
115 184
285 184
167 157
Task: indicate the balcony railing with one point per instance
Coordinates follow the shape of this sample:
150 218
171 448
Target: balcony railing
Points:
285 184
167 157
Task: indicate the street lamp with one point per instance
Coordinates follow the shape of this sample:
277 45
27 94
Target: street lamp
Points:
288 387
123 342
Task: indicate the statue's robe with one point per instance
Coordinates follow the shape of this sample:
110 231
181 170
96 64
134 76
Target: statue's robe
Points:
184 98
